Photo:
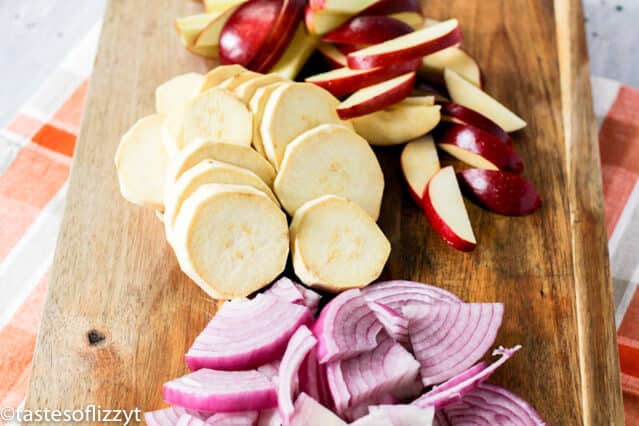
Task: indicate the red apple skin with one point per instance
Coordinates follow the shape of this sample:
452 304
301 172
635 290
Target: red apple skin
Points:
500 192
381 101
346 85
480 142
463 115
367 30
348 48
387 7
282 31
385 59
444 231
246 30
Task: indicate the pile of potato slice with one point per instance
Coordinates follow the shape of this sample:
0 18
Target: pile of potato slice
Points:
224 160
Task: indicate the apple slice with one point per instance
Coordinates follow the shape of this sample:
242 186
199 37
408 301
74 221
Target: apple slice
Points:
210 35
320 22
477 148
407 47
414 19
343 81
332 55
210 52
368 30
500 192
341 6
397 124
467 94
376 97
246 30
445 209
419 163
281 34
218 74
419 100
390 7
190 27
296 54
456 113
220 5
454 58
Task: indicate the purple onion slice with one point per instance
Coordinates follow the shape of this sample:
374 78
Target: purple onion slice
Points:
245 418
406 415
309 412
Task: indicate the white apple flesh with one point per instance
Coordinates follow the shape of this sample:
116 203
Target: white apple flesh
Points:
419 162
377 97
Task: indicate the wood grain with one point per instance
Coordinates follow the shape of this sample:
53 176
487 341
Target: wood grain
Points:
115 277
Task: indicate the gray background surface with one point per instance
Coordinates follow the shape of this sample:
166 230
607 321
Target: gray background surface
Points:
36 34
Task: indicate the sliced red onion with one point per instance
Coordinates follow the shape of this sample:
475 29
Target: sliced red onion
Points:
377 418
393 322
389 369
455 388
346 327
296 293
309 412
489 405
245 418
189 420
448 338
399 294
245 334
270 370
353 413
168 416
313 381
298 347
217 391
269 417
406 415
440 419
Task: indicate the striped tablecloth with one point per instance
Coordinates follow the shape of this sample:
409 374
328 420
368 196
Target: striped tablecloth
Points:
35 157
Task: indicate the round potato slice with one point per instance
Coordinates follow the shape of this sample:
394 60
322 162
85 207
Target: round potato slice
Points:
330 159
231 239
237 80
207 172
397 124
257 105
141 162
177 91
217 115
246 90
336 245
291 110
236 155
220 73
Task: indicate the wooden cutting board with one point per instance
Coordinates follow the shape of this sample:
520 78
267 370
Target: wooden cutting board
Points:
120 315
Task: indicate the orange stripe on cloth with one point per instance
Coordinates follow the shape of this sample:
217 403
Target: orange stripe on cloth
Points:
24 125
55 139
19 338
619 147
70 114
29 183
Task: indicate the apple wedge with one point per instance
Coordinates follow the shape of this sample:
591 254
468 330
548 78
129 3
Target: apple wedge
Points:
459 114
419 162
296 54
477 148
210 52
467 94
282 32
343 81
220 5
246 90
251 241
397 124
377 97
337 245
419 100
330 159
367 30
407 47
246 30
190 27
341 6
292 109
320 22
500 192
219 116
453 58
445 209
176 91
334 58
257 105
236 155
210 35
141 163
220 73
390 7
413 19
